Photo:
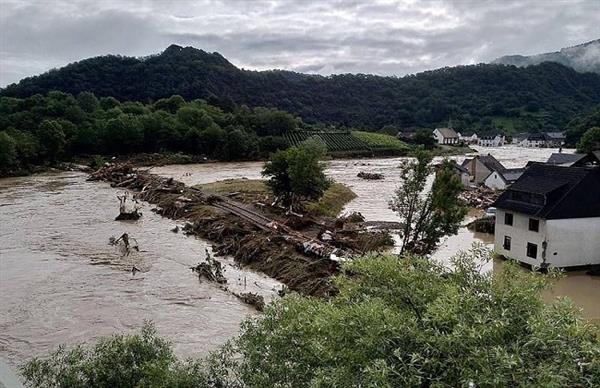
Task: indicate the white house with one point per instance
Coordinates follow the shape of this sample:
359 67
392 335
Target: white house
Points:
491 141
462 173
550 217
469 139
500 180
481 166
445 136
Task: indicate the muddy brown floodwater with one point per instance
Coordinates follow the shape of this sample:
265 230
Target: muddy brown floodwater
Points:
373 197
61 281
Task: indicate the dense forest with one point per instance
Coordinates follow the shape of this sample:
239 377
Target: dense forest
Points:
41 129
479 97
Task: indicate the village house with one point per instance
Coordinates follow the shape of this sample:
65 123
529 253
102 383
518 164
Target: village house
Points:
560 159
481 166
491 141
501 179
445 136
469 139
543 140
550 217
462 173
518 138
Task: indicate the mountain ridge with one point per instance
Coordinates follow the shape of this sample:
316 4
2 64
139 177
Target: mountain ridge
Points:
583 57
482 96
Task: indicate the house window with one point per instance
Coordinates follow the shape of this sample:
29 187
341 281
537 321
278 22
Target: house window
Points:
532 250
534 225
506 244
508 219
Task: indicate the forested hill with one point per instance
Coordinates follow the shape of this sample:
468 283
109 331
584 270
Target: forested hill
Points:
482 96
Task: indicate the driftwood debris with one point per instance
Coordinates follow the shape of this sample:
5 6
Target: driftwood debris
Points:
210 269
253 299
481 197
373 176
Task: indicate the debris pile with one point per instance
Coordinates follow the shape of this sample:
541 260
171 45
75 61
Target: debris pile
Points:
252 299
210 269
481 197
370 176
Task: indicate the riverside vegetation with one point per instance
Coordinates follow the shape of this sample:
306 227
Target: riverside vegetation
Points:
47 129
393 322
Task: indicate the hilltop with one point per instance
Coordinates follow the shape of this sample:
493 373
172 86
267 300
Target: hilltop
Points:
582 58
477 97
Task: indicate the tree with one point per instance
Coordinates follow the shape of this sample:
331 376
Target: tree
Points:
590 141
8 150
411 323
295 173
427 216
52 139
88 102
424 138
123 134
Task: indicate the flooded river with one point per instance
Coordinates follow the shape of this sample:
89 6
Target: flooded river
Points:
62 282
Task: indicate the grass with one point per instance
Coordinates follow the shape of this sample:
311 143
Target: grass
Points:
247 186
333 201
380 140
330 205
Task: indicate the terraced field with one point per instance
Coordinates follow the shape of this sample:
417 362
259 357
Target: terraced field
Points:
334 141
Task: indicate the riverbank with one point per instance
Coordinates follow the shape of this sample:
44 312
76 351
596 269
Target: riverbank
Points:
300 250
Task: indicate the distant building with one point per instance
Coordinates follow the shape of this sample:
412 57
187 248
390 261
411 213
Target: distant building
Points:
518 138
560 159
481 166
550 217
491 141
445 136
462 173
500 180
543 140
555 139
469 139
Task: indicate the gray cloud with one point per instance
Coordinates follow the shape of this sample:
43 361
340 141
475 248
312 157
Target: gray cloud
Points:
389 37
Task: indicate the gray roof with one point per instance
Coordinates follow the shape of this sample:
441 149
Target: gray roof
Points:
511 174
490 162
560 158
554 192
556 135
447 132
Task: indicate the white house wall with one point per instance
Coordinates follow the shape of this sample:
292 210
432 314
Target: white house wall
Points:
574 241
520 235
494 181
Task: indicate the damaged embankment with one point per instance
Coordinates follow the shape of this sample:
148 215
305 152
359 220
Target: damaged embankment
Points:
298 260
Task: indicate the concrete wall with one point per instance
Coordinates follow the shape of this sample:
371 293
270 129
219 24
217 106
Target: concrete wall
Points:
494 181
574 241
520 235
570 242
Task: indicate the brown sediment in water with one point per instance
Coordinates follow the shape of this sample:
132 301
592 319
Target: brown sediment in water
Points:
259 240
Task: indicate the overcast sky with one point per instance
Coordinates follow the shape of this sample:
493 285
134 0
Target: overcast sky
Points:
388 37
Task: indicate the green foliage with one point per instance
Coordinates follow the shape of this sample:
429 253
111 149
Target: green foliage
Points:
52 139
590 140
427 217
59 126
296 173
478 97
424 138
581 123
409 323
8 151
333 141
393 323
381 141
